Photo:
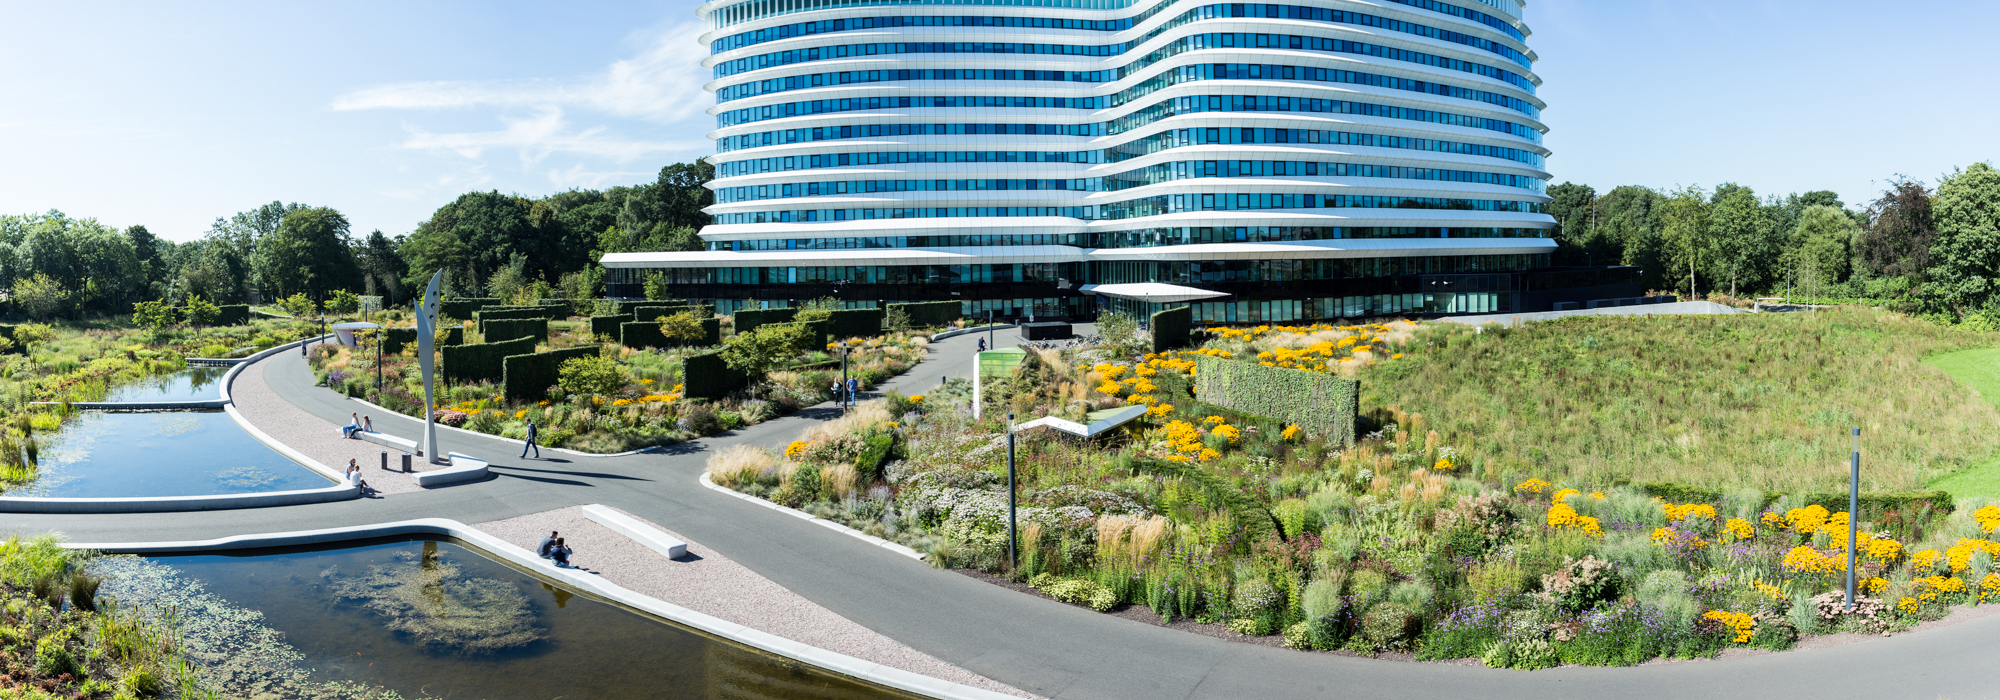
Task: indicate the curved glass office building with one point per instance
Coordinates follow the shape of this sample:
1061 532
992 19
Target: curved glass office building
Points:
1263 162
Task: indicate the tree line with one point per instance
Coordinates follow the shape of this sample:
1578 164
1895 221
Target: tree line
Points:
54 265
1927 250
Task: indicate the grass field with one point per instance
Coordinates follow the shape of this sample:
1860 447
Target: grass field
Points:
1978 370
1760 401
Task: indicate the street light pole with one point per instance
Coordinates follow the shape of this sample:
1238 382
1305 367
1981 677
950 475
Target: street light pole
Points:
1853 511
991 318
1013 557
843 381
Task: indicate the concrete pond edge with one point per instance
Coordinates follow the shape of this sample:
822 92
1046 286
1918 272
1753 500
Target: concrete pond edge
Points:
490 545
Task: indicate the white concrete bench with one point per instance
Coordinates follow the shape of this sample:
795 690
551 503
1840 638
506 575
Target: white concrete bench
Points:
387 440
639 532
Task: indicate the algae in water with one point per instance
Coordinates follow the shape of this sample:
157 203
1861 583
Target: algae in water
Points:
435 605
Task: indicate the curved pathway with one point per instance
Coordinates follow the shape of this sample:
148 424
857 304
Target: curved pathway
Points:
1040 646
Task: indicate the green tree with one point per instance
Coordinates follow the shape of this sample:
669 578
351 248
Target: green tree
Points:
298 306
1684 224
1119 330
310 253
683 328
154 315
591 376
656 286
756 352
42 296
1571 205
896 320
1965 272
342 301
29 335
1819 244
1745 242
1901 228
384 267
202 313
146 249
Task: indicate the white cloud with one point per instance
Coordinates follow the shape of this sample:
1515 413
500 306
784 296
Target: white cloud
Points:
662 84
577 176
546 133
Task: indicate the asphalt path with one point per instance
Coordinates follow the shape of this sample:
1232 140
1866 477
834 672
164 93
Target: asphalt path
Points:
1055 650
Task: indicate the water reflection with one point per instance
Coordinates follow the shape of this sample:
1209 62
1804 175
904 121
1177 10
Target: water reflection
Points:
108 455
198 383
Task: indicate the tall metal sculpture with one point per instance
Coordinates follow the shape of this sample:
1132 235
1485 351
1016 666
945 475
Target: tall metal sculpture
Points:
427 321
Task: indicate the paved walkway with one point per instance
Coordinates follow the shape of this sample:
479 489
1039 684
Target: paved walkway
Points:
1040 646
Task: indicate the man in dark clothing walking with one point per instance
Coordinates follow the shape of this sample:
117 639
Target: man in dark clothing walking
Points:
548 543
531 441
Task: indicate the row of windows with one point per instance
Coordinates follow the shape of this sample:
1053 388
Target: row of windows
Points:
813 80
1190 43
835 160
1195 104
1167 108
751 193
1297 12
1142 207
1107 272
1173 138
1260 71
1177 76
1141 177
862 131
1138 238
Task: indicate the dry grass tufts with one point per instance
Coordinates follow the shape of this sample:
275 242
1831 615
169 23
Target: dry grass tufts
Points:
737 465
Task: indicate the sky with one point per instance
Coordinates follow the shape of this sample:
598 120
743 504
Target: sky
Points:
173 114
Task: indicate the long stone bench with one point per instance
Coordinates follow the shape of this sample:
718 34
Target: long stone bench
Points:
637 531
463 467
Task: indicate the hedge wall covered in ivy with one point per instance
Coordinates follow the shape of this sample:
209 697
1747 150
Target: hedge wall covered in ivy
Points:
496 313
528 377
233 315
931 314
655 313
1323 404
462 307
607 325
480 362
395 339
850 323
706 376
1171 328
641 334
748 320
511 328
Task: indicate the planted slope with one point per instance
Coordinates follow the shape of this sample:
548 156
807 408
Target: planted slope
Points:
1743 401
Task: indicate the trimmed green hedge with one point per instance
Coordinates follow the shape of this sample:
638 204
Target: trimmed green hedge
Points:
655 313
233 315
641 334
607 325
1873 505
481 362
1321 403
1171 328
849 323
510 328
711 332
395 339
706 376
462 307
749 319
931 314
495 313
528 377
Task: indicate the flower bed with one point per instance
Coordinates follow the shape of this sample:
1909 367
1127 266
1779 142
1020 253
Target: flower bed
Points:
1401 542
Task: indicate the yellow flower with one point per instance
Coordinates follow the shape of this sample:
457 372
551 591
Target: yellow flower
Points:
1160 410
919 398
1739 528
1443 465
1988 517
1227 431
1292 433
1534 486
520 413
1742 623
797 449
1214 420
1563 495
645 381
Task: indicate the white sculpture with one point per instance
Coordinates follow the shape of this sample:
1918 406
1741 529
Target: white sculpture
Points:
427 321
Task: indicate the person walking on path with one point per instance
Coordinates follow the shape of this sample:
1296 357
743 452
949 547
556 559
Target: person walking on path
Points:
548 543
837 399
982 345
531 441
853 390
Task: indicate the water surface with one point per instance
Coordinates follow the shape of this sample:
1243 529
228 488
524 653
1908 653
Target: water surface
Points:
436 618
122 455
191 384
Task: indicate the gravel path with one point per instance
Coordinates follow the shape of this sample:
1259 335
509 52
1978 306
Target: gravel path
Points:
710 583
313 436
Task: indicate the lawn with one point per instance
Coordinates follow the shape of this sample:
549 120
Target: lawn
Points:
1980 370
1759 401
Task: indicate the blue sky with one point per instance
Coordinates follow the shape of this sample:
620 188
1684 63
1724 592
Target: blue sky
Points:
171 114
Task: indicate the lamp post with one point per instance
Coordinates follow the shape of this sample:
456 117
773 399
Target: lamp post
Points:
849 395
991 318
1853 511
1013 558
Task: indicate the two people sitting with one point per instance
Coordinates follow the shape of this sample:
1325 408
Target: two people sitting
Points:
553 549
354 476
357 424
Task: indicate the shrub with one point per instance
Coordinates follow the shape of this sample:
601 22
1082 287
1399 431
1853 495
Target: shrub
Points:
748 320
482 362
1387 625
510 328
591 376
1323 607
1298 636
683 328
931 314
755 353
874 454
608 325
1171 328
850 323
1495 580
1076 591
232 314
708 376
1581 583
200 312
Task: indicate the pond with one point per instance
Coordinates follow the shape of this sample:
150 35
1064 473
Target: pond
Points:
433 618
191 384
122 455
